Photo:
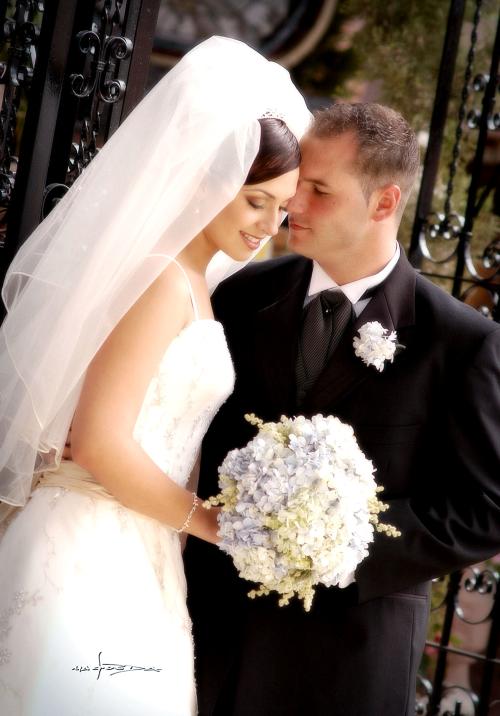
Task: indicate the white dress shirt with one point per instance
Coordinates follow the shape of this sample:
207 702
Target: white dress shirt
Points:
321 281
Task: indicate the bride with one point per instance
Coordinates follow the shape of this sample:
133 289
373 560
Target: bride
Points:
110 329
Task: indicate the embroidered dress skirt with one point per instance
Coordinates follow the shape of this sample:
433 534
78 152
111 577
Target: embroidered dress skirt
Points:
93 619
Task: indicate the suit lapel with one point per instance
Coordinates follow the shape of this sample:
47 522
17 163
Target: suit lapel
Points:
392 305
277 330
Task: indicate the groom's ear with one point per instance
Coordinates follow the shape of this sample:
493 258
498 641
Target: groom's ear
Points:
385 202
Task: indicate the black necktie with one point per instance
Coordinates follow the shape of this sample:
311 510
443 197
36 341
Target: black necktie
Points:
324 320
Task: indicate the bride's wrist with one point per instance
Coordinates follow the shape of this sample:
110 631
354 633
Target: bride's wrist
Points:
185 525
204 524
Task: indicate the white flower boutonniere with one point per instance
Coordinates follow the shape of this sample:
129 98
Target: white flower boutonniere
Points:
373 346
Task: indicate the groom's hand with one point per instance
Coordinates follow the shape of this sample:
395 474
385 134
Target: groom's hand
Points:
67 455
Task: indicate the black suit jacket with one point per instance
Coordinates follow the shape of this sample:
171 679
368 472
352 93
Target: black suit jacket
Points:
429 422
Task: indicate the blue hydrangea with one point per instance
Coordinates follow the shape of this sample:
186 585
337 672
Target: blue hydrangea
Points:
299 506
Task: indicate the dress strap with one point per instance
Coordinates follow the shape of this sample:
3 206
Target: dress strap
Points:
191 292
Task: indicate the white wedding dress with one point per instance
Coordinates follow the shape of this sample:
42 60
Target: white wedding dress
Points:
86 582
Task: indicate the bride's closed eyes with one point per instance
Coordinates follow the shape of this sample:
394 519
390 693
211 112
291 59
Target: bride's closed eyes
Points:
255 205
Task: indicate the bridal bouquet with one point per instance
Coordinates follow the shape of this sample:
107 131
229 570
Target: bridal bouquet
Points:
299 506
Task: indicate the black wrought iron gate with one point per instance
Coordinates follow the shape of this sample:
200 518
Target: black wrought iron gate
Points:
445 235
445 246
74 69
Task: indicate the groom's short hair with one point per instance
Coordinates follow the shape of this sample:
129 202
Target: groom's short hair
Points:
388 151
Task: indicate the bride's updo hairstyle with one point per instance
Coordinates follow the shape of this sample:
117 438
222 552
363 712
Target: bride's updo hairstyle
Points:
278 153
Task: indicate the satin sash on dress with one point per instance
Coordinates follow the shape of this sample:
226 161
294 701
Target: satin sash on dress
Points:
73 477
69 476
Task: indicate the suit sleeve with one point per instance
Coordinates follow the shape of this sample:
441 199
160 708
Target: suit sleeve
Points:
451 519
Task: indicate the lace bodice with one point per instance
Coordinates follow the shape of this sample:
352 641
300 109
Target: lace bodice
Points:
194 378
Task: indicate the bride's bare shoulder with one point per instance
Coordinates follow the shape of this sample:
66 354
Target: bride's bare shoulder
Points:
167 299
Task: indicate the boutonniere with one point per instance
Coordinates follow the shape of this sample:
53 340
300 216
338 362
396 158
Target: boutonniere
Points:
374 347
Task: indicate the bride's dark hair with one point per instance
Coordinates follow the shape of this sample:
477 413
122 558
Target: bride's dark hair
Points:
278 153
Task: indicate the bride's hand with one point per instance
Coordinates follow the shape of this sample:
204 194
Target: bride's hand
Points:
213 525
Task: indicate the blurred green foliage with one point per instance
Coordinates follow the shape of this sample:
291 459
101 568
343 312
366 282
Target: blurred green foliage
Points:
390 51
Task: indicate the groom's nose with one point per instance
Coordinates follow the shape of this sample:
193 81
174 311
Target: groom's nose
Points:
297 204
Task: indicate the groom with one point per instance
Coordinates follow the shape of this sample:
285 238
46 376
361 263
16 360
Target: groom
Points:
429 422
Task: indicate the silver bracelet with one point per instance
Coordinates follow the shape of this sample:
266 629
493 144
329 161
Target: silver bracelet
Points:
186 522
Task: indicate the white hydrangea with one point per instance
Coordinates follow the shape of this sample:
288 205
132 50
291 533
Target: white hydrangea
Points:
373 346
299 506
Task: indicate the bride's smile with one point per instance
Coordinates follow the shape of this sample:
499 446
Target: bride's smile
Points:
254 215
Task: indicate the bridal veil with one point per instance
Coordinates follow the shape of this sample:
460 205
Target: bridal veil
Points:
175 162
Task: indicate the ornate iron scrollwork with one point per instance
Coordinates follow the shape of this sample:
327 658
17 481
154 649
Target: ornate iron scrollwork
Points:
448 234
104 47
107 53
22 37
471 597
107 48
19 31
86 80
447 224
80 156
